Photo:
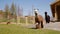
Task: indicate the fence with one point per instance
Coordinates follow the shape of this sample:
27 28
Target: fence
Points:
21 19
26 20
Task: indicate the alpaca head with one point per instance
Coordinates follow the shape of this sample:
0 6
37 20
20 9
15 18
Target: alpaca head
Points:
36 11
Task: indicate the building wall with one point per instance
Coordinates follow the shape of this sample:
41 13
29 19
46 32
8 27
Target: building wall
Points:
56 10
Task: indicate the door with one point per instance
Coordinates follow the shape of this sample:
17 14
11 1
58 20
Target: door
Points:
58 11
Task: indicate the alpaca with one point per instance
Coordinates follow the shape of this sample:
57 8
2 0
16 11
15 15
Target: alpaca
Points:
47 18
38 20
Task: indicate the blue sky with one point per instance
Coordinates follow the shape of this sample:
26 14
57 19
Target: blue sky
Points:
42 5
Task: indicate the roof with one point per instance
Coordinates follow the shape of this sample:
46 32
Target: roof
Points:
55 2
53 6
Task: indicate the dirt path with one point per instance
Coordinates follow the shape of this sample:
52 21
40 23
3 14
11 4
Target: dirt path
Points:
53 26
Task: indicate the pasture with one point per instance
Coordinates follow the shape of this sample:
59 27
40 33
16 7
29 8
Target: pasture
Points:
18 29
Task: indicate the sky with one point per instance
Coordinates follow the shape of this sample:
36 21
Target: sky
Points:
42 5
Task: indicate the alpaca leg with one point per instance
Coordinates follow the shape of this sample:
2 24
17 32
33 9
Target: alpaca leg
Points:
38 25
41 24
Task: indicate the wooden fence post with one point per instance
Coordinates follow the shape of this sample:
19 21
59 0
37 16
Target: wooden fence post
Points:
18 19
26 20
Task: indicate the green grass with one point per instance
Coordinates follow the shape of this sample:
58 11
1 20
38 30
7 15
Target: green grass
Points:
17 29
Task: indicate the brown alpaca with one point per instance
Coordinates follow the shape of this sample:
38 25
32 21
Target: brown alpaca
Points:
39 21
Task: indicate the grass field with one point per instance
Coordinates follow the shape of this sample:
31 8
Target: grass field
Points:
17 29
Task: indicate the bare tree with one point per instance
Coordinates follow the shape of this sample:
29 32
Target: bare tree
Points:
20 11
29 13
6 11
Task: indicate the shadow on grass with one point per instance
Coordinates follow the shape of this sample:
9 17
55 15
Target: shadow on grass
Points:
32 28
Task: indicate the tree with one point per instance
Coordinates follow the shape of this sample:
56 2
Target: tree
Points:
13 11
29 13
20 11
1 14
1 11
6 11
7 14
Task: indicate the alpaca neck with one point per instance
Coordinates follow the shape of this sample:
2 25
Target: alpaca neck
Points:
36 15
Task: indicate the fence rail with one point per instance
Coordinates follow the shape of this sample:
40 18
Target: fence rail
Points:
26 20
